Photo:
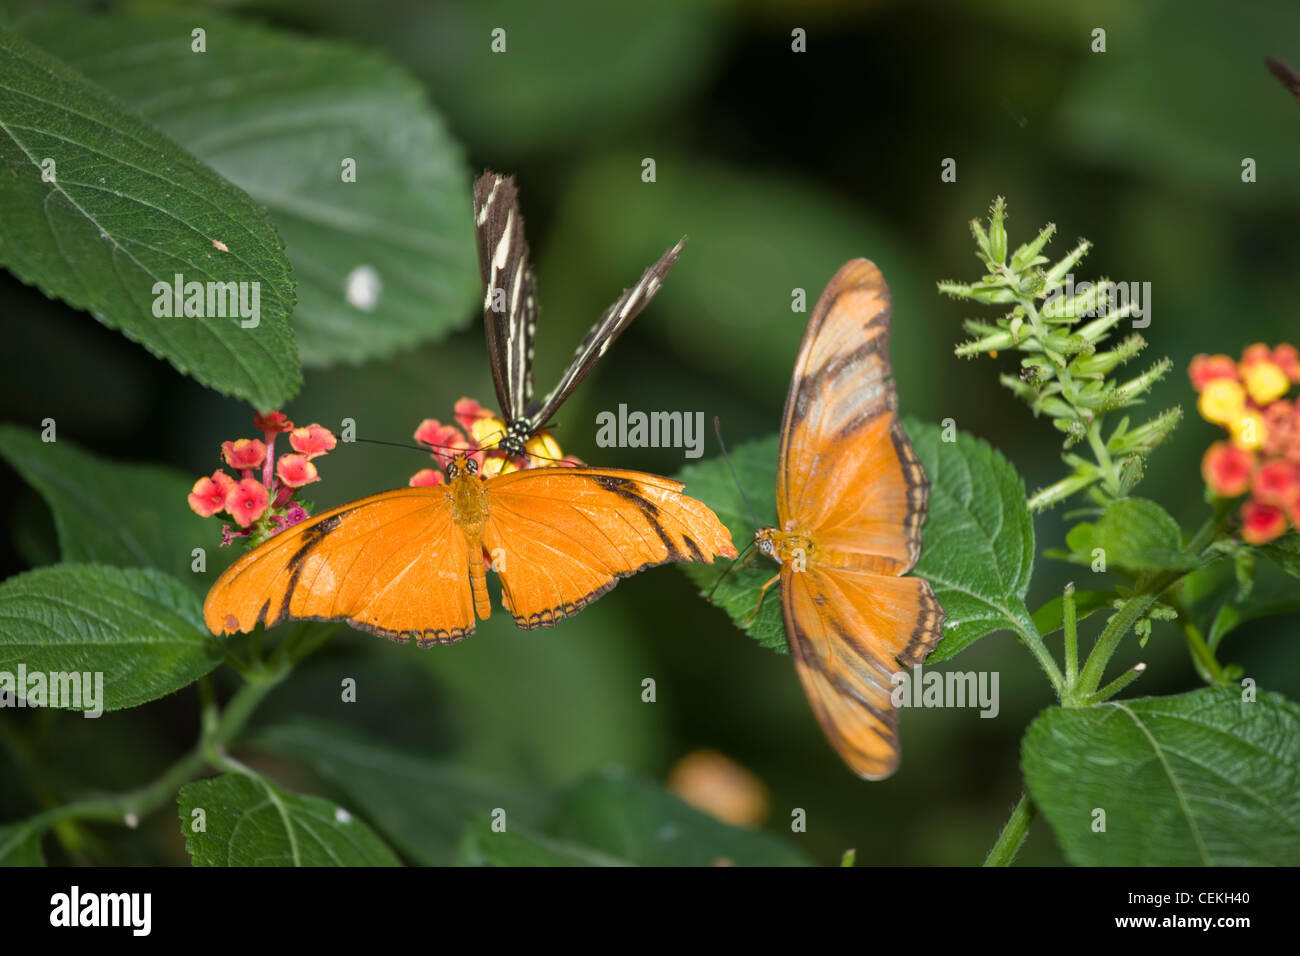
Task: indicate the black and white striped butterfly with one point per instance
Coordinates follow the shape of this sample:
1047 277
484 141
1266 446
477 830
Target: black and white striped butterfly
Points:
510 312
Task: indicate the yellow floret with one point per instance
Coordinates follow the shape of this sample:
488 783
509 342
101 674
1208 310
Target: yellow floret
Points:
1222 401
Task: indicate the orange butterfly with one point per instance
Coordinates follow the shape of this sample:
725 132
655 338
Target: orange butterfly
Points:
409 563
851 498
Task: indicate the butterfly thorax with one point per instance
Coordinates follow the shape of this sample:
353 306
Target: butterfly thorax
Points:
515 442
784 546
468 494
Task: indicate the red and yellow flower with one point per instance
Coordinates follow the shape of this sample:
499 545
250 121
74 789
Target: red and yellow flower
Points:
1248 398
477 432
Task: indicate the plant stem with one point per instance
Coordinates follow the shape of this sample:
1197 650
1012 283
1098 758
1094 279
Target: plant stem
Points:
1109 479
117 807
1148 591
1070 625
217 729
1206 664
1030 637
1013 834
1115 686
1044 498
1128 615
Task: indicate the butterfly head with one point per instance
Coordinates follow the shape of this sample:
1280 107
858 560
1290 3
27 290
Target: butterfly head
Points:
461 465
782 546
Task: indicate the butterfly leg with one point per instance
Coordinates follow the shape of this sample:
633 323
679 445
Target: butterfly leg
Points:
761 594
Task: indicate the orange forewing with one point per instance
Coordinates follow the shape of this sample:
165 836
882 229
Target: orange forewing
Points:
566 535
849 481
394 564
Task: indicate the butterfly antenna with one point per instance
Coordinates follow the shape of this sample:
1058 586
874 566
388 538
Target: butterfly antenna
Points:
481 444
1284 74
740 559
394 444
501 434
424 448
717 430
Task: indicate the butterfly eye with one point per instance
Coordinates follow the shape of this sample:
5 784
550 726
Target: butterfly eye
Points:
453 471
471 466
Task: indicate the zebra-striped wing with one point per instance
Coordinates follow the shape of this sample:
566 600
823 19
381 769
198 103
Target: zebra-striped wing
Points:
609 327
510 312
509 292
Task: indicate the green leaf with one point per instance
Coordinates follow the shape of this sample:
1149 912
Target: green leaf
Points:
1285 553
630 819
250 821
1136 535
20 845
1212 598
141 629
737 593
128 208
1200 778
517 846
1232 616
421 805
978 541
1051 616
277 114
114 513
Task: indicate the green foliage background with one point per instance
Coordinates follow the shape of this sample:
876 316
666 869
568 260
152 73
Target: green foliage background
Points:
779 167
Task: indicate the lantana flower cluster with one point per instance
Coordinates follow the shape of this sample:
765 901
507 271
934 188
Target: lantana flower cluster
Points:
261 499
1248 398
480 430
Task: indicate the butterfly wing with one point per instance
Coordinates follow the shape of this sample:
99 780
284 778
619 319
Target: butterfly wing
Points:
850 631
1284 74
503 261
846 468
602 335
394 564
561 537
849 479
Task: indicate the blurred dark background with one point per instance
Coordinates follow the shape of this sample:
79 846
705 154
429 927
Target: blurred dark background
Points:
779 166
